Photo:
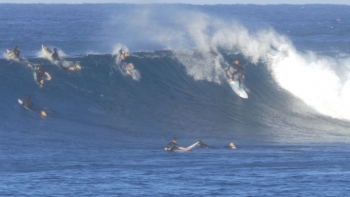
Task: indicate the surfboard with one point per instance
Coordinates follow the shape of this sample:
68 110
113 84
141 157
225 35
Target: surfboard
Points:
21 103
239 91
11 55
189 148
61 62
42 113
46 51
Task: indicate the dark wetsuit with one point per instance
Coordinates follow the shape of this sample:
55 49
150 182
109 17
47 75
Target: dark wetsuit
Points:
54 56
237 74
28 104
39 74
202 145
16 52
171 146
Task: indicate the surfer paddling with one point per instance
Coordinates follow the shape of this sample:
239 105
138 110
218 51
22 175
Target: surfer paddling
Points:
27 103
172 145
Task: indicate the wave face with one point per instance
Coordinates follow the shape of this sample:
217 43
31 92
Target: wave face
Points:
298 88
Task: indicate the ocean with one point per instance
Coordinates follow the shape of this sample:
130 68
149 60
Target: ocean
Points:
105 131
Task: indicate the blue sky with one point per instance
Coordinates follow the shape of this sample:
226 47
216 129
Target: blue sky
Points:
347 2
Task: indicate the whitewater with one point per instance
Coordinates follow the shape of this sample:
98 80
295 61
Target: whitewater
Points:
105 130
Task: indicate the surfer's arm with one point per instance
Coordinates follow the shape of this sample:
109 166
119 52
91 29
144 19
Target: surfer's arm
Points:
228 72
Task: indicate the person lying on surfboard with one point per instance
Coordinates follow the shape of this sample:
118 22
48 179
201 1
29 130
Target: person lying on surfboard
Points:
237 74
202 145
172 145
28 104
54 55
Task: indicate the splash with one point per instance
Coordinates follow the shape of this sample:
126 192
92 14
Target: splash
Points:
316 81
121 52
199 39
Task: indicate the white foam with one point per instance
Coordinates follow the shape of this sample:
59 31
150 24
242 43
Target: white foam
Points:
116 53
319 81
315 80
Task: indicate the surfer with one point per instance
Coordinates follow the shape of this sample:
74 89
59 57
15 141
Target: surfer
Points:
121 51
123 55
231 146
238 73
16 52
202 145
54 55
172 145
28 104
39 74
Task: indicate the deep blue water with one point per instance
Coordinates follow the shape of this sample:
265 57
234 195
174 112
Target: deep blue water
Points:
105 132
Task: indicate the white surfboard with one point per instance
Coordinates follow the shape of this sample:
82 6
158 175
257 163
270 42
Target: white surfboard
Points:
11 55
61 63
21 103
47 52
188 148
239 91
42 112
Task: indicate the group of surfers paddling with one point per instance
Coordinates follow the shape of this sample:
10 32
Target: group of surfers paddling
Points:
234 72
40 75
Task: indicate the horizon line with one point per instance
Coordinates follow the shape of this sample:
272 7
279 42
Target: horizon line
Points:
182 3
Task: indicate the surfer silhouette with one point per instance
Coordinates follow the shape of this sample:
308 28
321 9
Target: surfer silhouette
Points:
16 52
28 104
237 74
54 55
40 75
